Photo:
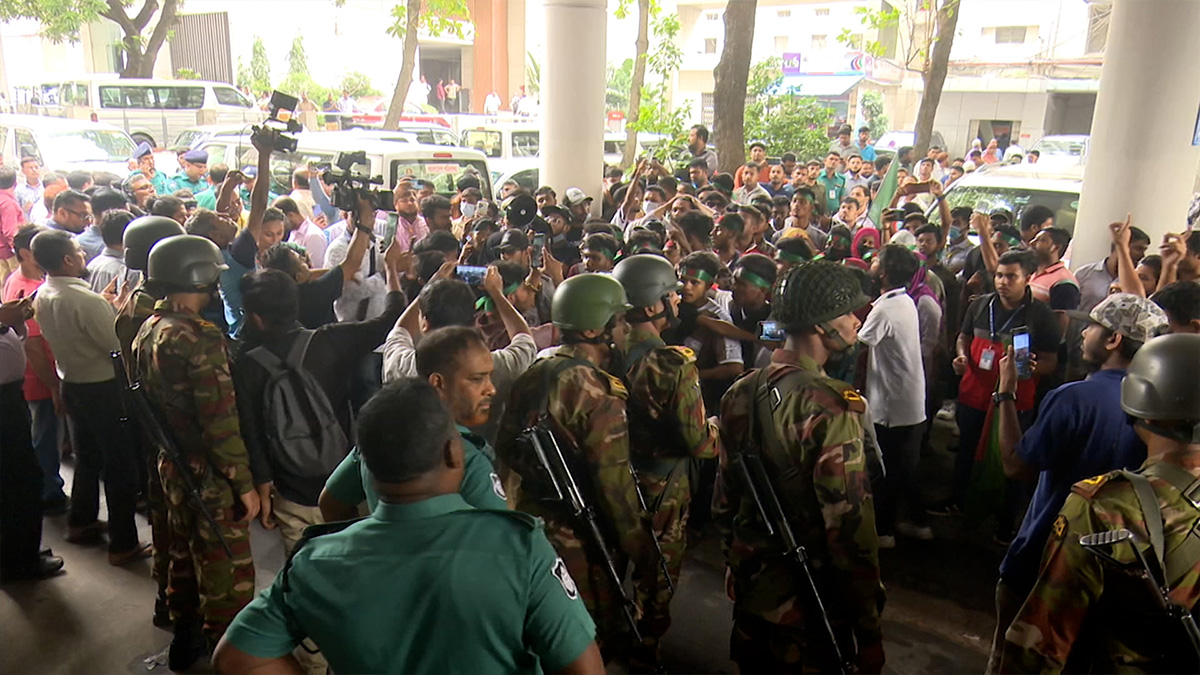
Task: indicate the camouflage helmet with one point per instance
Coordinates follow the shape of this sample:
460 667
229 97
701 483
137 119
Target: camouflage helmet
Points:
185 263
1161 383
812 293
142 234
646 278
587 302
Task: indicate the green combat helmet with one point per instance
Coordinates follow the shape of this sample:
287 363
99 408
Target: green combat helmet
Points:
142 234
587 302
1161 385
186 263
813 293
646 279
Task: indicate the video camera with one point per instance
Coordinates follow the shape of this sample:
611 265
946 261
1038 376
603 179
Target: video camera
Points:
273 131
349 185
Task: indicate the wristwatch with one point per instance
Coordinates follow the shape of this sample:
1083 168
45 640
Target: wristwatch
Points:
1002 396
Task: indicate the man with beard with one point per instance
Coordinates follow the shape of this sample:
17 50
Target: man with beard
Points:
1080 432
78 325
1053 283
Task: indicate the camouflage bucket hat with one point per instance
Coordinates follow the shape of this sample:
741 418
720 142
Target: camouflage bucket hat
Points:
1132 316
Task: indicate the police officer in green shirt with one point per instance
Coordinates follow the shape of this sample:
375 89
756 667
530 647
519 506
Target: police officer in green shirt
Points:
457 363
192 176
426 584
144 156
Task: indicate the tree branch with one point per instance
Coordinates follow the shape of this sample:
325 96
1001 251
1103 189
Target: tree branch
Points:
116 14
165 21
149 7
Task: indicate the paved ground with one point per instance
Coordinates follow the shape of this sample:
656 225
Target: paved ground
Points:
938 618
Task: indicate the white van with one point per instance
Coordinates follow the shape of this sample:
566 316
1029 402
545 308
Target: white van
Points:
151 111
65 145
391 159
508 147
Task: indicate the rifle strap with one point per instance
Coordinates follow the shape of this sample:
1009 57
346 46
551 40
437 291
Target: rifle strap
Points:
1177 562
767 398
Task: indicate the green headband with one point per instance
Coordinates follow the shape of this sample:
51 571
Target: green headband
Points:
789 257
698 273
1011 240
753 278
488 305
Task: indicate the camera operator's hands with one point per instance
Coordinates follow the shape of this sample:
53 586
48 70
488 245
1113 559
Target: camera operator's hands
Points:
493 283
552 266
260 139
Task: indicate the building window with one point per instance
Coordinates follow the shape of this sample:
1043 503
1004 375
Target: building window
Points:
781 43
821 11
706 110
1010 35
1098 20
819 41
712 16
710 45
784 14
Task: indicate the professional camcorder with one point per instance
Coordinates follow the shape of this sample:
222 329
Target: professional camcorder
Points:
273 131
349 185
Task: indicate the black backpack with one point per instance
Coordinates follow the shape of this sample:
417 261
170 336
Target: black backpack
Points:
303 434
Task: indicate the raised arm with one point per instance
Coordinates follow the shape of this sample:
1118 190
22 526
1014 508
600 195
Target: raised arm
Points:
363 223
983 225
261 191
229 189
514 323
1127 276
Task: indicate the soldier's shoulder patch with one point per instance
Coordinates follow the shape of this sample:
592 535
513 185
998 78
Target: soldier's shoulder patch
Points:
1060 526
677 354
1088 487
564 578
615 386
854 400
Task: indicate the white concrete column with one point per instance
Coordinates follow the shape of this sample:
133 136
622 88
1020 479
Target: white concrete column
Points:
1141 159
572 96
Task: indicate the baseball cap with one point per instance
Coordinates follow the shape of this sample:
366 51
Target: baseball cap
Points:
142 150
513 240
196 157
574 196
250 172
548 211
1132 316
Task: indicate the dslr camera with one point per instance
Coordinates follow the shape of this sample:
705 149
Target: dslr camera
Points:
273 132
350 184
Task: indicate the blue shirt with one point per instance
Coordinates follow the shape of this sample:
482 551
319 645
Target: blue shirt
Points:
1080 432
240 259
867 153
91 242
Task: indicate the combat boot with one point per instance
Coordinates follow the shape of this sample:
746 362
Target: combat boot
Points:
188 646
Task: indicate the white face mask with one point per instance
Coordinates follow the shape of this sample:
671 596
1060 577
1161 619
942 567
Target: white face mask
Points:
467 209
648 207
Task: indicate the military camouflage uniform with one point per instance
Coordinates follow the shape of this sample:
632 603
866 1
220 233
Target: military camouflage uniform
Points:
182 361
130 317
1086 615
587 408
667 425
775 624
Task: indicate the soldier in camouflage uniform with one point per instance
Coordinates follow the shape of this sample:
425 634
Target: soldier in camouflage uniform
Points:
182 361
667 425
1089 614
586 410
822 484
140 236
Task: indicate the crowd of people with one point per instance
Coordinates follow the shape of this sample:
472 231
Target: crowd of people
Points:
424 362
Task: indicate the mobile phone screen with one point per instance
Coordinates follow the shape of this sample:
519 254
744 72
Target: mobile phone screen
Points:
471 274
539 243
389 233
1021 352
770 331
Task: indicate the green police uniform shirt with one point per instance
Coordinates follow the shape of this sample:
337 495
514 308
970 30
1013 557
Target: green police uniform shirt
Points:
429 587
182 182
351 482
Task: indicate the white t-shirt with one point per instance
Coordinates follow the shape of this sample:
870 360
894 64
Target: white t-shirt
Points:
895 378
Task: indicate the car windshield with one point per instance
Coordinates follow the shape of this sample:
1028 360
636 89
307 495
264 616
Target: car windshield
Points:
985 199
1073 148
87 145
487 142
443 172
431 136
187 137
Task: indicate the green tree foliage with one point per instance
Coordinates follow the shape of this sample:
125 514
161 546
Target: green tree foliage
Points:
298 80
260 67
618 79
656 115
533 74
434 18
242 79
871 105
187 74
297 59
782 117
358 84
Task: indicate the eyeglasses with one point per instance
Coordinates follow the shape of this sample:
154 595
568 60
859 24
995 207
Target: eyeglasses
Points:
82 215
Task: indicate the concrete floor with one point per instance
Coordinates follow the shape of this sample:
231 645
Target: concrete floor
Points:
96 618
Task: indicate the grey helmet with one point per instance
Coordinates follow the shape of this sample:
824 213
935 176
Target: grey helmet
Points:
142 234
647 278
1161 384
186 263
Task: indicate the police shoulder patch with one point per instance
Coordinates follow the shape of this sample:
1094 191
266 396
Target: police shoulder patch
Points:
498 486
564 578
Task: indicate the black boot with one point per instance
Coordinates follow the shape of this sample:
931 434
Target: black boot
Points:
188 645
162 615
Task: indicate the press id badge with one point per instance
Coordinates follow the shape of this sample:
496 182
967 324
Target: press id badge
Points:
987 359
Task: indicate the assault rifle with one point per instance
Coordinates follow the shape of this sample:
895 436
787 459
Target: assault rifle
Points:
160 439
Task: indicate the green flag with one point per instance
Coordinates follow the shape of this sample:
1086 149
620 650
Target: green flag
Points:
887 190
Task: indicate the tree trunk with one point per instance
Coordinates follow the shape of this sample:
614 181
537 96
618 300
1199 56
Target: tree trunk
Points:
935 77
396 108
642 45
139 60
732 74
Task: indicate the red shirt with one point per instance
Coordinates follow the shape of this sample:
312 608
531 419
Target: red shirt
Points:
34 388
11 219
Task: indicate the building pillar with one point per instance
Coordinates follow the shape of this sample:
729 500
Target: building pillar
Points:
1141 159
572 93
